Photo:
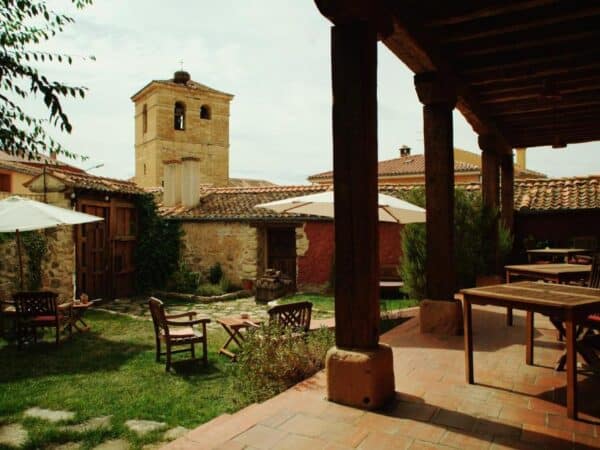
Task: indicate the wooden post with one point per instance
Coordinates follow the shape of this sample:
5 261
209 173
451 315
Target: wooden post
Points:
507 193
490 190
20 256
360 371
354 77
438 100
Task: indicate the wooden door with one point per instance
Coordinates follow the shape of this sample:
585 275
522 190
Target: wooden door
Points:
92 254
281 251
123 235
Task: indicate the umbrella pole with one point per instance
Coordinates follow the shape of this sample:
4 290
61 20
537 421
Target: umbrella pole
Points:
20 257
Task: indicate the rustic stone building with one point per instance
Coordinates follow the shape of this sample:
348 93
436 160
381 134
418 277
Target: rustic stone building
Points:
179 118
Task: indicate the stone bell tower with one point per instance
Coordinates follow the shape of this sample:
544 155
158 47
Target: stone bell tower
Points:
180 118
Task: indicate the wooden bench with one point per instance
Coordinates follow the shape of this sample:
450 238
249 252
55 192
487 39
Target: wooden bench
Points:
293 315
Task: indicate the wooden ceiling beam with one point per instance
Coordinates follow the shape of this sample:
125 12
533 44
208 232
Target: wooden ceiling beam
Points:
564 12
536 85
537 93
488 11
540 107
531 62
528 141
509 78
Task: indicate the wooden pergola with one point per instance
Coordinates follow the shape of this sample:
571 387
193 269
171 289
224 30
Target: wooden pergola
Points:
523 73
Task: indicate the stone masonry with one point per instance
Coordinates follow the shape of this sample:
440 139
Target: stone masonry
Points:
232 244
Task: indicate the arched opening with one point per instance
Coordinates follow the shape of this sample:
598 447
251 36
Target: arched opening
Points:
145 118
179 116
205 112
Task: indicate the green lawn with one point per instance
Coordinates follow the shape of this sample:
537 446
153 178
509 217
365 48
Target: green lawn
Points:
325 302
111 371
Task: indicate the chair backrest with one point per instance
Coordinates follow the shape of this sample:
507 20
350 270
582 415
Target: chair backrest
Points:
595 273
41 303
294 315
157 310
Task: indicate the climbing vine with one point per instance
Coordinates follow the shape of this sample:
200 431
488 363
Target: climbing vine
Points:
158 248
36 247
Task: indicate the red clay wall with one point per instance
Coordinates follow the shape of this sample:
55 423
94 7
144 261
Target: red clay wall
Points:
314 267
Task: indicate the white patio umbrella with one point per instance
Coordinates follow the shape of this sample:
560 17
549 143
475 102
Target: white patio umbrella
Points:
391 209
22 214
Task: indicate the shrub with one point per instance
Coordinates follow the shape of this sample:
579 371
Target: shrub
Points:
34 244
272 359
209 290
472 255
215 273
183 280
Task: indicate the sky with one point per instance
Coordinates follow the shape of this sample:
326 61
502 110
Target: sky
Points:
273 55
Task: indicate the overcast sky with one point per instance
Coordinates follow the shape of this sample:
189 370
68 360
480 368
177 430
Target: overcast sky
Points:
273 55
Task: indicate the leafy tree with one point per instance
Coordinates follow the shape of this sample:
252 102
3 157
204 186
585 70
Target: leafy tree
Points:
23 25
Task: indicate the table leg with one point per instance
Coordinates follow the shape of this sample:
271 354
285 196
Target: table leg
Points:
571 338
468 324
509 310
529 338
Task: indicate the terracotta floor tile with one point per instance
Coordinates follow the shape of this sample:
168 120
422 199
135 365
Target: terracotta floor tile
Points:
422 431
261 437
420 445
344 434
480 408
341 413
232 445
466 441
295 442
384 441
586 442
379 422
523 415
562 422
505 443
414 411
549 437
304 425
454 419
278 418
498 427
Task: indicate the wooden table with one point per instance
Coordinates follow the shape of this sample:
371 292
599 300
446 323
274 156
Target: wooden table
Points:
77 312
572 304
553 273
563 253
234 326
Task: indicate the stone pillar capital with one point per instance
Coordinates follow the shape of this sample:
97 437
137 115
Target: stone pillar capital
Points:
433 89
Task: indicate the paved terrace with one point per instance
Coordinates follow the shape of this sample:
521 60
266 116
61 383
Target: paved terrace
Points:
512 406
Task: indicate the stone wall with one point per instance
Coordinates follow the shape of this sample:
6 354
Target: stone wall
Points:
232 244
58 265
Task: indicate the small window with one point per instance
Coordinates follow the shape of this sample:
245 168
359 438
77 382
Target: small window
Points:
5 182
145 171
205 112
145 118
179 116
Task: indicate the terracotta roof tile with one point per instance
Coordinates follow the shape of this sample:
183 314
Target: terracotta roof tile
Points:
94 183
235 203
557 194
405 165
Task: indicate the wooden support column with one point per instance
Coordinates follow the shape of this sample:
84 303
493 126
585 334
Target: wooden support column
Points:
439 101
439 313
359 370
507 193
490 191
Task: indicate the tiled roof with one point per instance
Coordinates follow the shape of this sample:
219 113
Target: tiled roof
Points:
234 203
19 167
405 165
38 163
558 194
94 183
191 84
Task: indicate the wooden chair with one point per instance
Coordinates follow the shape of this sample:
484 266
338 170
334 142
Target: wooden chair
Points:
294 315
177 332
40 310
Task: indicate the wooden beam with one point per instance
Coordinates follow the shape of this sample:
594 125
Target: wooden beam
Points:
539 141
354 79
535 90
510 78
486 11
438 101
578 101
565 12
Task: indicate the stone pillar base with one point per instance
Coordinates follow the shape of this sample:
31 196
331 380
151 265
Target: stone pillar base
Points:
441 317
362 379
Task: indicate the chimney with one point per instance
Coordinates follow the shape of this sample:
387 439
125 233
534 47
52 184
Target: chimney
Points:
172 178
404 151
190 181
522 158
